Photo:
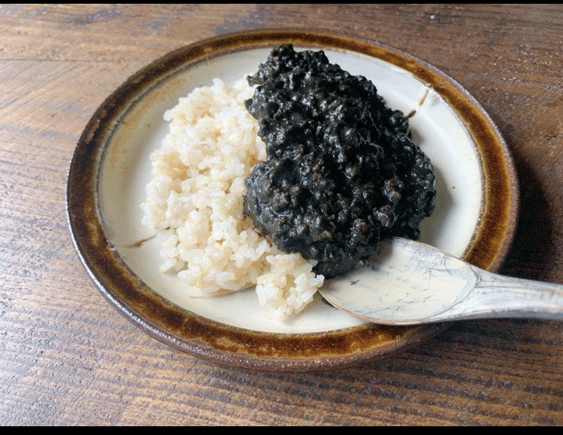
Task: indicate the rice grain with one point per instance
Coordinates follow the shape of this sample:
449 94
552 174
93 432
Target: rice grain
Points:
195 203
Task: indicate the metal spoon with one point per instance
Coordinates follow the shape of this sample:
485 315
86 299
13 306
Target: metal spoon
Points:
413 283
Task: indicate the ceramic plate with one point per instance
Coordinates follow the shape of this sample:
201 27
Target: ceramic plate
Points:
475 213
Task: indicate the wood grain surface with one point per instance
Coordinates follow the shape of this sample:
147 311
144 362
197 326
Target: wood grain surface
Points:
68 358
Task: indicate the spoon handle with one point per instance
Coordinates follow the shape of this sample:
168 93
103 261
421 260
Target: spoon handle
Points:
503 296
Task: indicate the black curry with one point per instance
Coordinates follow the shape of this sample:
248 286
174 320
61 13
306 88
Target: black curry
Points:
342 171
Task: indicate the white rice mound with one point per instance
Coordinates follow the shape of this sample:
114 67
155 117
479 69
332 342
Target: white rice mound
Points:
195 204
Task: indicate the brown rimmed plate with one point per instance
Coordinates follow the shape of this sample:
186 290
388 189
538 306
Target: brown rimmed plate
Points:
475 217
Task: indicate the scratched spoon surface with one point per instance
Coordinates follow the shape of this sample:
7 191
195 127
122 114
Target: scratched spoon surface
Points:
413 283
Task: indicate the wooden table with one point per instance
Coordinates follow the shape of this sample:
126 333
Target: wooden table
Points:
68 358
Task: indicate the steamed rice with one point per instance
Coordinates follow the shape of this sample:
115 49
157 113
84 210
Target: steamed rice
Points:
195 204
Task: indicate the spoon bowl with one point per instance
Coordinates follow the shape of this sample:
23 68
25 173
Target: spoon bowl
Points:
412 283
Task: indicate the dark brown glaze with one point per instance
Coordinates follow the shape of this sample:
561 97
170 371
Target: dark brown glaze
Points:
239 347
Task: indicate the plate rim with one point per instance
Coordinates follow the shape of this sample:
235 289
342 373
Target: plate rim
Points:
265 351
